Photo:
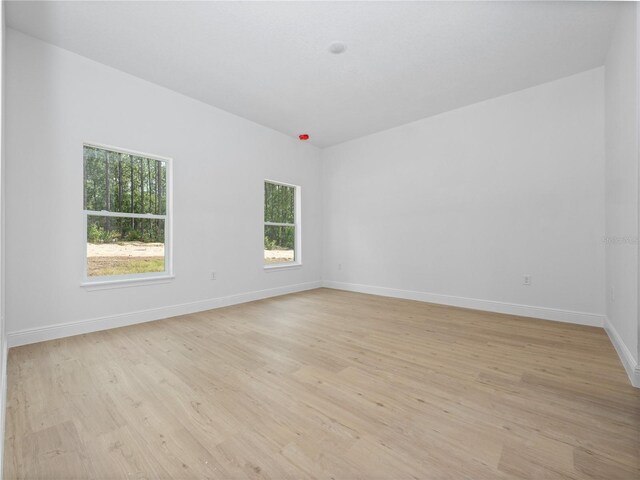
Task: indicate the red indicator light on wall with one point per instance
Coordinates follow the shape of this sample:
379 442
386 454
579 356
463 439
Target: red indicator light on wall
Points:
303 136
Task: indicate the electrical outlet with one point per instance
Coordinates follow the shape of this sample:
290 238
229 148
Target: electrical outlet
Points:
213 276
339 266
526 280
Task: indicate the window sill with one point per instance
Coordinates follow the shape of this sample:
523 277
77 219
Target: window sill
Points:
281 266
126 283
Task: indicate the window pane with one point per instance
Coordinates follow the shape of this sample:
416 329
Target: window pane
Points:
94 179
119 182
279 244
124 246
279 203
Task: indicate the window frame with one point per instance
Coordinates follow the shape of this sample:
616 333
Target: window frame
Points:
114 281
297 225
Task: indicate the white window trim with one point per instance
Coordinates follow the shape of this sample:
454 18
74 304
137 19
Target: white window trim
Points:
118 281
297 225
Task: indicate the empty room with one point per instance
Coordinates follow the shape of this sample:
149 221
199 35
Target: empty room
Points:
320 240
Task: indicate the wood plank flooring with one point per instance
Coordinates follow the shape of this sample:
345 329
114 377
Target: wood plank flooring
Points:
325 384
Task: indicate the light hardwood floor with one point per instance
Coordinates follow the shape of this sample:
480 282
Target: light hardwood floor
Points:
325 384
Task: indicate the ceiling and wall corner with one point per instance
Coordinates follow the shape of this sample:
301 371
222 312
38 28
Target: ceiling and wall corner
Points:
269 61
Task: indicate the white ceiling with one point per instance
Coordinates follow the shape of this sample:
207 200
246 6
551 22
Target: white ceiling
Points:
269 61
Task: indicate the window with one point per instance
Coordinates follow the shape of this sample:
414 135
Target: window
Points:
126 215
281 224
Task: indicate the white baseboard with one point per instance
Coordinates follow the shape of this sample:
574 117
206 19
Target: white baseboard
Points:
568 316
61 330
630 364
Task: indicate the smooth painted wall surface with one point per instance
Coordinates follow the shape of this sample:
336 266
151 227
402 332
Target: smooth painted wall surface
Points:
3 339
621 106
55 101
466 203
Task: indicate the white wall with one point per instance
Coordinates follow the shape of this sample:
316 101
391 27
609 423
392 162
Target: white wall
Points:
456 208
56 100
3 339
621 100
